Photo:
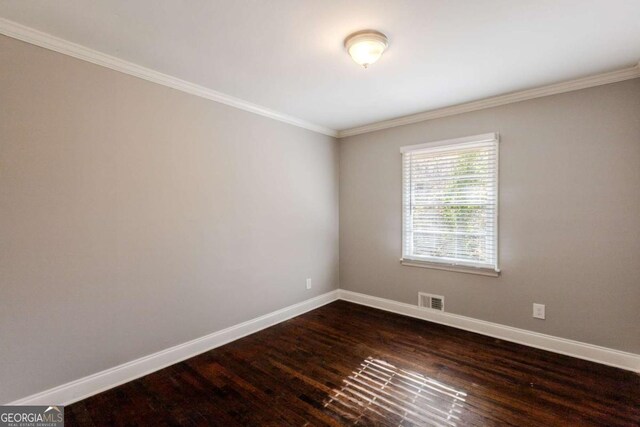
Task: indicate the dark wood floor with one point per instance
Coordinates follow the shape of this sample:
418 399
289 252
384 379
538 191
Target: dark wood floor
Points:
346 364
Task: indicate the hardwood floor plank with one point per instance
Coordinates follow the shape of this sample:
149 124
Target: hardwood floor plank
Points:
345 364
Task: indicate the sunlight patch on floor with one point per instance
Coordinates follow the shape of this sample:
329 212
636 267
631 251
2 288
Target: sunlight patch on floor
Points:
378 391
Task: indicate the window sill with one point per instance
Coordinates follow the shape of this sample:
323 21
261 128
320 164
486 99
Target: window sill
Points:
446 267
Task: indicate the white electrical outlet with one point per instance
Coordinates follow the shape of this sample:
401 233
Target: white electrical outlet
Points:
538 311
308 283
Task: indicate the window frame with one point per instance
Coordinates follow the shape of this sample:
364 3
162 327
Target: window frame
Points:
442 264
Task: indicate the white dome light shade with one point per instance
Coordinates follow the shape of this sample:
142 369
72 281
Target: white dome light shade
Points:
366 47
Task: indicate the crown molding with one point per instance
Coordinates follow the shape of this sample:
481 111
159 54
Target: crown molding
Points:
48 41
553 89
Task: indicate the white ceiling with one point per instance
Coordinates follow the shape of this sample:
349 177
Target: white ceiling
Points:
287 55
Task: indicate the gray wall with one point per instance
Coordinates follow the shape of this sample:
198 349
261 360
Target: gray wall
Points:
569 216
134 217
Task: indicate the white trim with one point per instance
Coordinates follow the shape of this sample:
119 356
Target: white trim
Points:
82 388
476 139
496 218
445 146
428 261
553 89
73 391
580 350
458 268
48 41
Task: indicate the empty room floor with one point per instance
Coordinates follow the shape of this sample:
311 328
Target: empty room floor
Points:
346 364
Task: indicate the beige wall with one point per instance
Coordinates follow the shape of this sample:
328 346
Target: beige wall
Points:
134 217
569 216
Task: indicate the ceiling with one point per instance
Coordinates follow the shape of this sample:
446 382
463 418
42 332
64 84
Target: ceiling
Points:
287 55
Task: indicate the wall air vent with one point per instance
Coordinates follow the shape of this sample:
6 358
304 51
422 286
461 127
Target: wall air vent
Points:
432 302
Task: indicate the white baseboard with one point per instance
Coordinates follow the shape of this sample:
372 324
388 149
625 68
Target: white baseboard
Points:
73 391
82 388
593 353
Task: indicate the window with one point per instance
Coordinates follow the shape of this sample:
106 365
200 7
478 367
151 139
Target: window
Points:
450 204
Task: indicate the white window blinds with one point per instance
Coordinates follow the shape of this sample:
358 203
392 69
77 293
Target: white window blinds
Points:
450 202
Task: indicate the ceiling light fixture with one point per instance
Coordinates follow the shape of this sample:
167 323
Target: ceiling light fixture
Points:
366 47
